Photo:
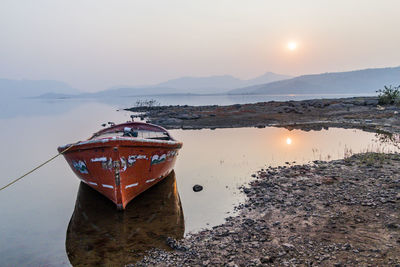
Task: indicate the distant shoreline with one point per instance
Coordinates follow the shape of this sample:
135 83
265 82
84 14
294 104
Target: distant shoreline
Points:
151 96
354 112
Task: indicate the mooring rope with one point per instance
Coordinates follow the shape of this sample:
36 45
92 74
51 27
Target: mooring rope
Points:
34 169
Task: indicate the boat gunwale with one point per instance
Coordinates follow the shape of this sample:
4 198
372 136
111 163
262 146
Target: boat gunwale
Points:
123 142
113 129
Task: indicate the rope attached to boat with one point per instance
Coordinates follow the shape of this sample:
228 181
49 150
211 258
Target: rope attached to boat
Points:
34 169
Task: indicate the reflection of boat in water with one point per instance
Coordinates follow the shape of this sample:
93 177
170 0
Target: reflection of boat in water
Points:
123 160
100 235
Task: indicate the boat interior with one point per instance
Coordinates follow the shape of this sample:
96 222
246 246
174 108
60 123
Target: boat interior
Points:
134 130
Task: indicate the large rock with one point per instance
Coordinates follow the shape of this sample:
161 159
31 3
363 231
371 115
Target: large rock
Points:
286 109
186 116
172 121
318 103
371 102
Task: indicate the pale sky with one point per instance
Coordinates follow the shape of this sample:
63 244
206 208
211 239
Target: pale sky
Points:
96 44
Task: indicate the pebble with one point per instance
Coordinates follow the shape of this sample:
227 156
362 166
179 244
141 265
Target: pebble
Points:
197 188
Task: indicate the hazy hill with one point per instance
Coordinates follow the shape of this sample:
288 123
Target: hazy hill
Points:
31 88
194 85
184 85
212 84
266 78
132 91
360 81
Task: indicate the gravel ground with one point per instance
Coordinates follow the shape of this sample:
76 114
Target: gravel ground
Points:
337 213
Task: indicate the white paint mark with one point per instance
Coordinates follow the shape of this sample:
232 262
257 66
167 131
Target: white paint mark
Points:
102 159
92 183
105 140
156 159
132 158
123 164
131 185
107 185
80 166
107 164
171 153
151 180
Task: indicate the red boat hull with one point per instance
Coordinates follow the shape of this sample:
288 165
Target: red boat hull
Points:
122 168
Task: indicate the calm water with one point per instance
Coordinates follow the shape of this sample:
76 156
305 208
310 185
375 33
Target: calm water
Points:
50 219
10 108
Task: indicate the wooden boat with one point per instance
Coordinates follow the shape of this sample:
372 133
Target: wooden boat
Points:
98 235
123 160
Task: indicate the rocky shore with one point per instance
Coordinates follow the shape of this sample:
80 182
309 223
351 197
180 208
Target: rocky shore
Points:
356 112
339 213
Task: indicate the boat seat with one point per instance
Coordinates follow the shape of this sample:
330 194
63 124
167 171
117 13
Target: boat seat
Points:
130 132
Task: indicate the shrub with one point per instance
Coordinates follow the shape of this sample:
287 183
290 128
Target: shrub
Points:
147 103
372 159
389 95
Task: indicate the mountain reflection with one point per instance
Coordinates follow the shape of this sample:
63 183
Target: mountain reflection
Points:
98 234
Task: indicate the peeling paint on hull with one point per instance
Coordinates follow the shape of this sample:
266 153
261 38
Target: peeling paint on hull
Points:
120 168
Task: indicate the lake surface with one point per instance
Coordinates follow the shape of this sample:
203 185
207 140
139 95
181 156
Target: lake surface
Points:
10 108
50 219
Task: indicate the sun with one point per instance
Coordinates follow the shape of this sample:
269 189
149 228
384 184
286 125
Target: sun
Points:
289 141
292 46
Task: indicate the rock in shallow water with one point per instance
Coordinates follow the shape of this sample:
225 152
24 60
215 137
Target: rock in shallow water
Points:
197 188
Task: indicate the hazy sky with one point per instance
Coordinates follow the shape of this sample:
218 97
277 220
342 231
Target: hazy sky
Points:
96 44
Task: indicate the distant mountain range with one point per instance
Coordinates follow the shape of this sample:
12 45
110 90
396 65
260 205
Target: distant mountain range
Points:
218 84
191 85
351 82
31 88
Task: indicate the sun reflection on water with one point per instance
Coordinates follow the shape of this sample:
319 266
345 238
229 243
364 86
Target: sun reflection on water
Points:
288 141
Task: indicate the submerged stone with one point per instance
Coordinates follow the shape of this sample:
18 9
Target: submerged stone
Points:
197 188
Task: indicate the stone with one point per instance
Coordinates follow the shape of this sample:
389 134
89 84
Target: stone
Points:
287 246
172 121
371 102
172 243
197 188
185 116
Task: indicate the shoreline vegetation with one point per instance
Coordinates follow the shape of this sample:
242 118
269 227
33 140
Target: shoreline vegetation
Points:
337 213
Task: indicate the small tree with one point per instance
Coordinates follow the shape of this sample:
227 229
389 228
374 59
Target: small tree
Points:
389 95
